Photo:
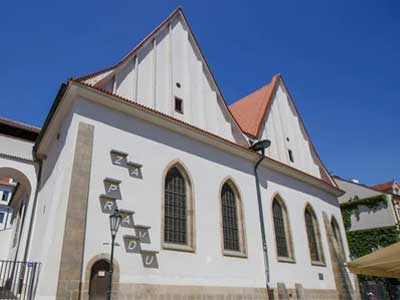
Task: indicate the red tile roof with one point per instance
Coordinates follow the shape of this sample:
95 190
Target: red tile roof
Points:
250 111
6 181
325 180
384 186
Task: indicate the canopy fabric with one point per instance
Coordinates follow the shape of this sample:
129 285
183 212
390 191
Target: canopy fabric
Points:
384 262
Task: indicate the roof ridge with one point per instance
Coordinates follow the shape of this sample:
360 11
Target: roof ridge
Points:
264 111
137 46
258 109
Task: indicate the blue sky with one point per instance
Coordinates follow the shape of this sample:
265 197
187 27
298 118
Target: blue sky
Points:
340 60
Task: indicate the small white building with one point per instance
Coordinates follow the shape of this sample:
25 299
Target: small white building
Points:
385 213
205 216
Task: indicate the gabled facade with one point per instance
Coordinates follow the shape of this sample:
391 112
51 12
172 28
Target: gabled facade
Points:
270 113
154 137
167 72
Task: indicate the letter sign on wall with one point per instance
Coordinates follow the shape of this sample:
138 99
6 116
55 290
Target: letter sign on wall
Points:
143 233
135 170
127 218
108 205
112 188
132 244
149 259
120 158
108 202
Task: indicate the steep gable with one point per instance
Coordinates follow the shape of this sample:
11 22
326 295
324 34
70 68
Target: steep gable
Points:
168 67
270 113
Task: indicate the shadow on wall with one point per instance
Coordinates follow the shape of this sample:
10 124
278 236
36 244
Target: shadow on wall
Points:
297 185
163 136
51 160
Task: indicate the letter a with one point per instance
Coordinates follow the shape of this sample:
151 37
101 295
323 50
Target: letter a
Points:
126 220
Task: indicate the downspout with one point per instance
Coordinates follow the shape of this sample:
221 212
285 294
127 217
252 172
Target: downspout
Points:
260 206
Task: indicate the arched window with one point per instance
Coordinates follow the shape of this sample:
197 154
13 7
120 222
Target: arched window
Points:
337 236
178 210
232 220
282 230
314 236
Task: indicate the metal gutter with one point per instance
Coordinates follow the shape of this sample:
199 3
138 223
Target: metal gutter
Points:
50 115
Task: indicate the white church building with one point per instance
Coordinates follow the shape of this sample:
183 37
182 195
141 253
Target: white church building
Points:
205 214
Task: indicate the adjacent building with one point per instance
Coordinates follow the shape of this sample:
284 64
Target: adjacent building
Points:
372 220
204 213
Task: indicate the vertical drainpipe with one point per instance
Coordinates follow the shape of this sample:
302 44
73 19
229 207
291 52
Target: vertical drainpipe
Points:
261 216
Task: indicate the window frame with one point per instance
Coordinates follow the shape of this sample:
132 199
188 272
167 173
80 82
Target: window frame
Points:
288 232
318 237
5 195
242 253
190 212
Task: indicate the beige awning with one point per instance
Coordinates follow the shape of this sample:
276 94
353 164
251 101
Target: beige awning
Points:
384 262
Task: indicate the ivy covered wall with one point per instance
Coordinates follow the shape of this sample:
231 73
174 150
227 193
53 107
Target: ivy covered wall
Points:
363 242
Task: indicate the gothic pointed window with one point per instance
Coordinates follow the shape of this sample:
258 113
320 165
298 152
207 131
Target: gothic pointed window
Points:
178 216
314 236
232 221
282 230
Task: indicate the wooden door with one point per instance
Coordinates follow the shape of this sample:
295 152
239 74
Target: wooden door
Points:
99 280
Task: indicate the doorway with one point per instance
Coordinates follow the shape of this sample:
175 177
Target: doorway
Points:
99 280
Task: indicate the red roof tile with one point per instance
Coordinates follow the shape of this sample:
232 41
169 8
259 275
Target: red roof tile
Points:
250 111
384 186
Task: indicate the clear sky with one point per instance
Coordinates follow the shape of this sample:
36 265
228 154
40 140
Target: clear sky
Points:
340 60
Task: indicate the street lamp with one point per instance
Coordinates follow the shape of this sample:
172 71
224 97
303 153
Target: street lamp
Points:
115 221
260 146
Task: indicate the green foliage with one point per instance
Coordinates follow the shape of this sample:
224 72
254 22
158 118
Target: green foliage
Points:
363 242
353 207
370 202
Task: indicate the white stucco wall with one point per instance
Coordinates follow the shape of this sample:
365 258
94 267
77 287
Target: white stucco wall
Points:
283 128
382 216
51 209
155 148
152 76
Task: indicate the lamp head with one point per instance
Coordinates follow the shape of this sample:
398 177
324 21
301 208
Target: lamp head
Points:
261 145
115 221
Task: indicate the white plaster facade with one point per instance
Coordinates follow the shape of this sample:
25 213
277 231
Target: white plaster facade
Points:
383 216
206 140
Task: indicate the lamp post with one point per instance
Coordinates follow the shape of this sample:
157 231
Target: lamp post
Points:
115 221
